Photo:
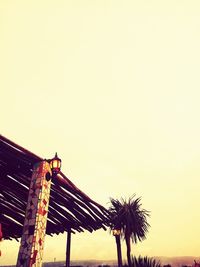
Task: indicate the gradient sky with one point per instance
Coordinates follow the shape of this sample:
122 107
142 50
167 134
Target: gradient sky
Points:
113 87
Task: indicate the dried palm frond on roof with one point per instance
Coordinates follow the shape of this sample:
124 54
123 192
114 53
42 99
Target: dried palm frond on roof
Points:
69 207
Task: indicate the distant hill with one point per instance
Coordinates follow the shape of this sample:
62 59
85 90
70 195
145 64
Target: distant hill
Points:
85 263
178 261
173 261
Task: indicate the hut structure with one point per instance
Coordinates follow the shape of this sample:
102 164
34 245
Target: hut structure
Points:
70 210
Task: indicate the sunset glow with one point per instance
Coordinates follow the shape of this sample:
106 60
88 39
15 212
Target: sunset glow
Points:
114 88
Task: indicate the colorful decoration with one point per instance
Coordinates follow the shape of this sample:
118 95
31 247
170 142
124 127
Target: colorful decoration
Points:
34 229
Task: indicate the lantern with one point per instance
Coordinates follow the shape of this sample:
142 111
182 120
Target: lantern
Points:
116 232
55 165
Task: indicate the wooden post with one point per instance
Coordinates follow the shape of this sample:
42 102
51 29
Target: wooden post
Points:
34 229
68 248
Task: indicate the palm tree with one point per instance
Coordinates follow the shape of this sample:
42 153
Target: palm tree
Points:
128 216
116 233
145 262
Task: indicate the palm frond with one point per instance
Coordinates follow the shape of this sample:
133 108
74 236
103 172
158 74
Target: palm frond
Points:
145 262
129 217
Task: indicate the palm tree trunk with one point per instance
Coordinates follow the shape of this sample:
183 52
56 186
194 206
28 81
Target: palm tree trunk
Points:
128 251
119 252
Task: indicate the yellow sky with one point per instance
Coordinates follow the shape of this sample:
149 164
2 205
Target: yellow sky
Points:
113 87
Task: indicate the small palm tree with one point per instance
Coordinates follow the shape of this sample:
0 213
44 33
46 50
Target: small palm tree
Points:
130 219
145 262
116 233
115 229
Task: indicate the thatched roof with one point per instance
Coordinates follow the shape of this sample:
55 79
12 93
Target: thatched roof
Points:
69 207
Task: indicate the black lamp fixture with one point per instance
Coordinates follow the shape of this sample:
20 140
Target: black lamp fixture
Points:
55 165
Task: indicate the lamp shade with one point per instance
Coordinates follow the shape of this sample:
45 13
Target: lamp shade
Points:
116 232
